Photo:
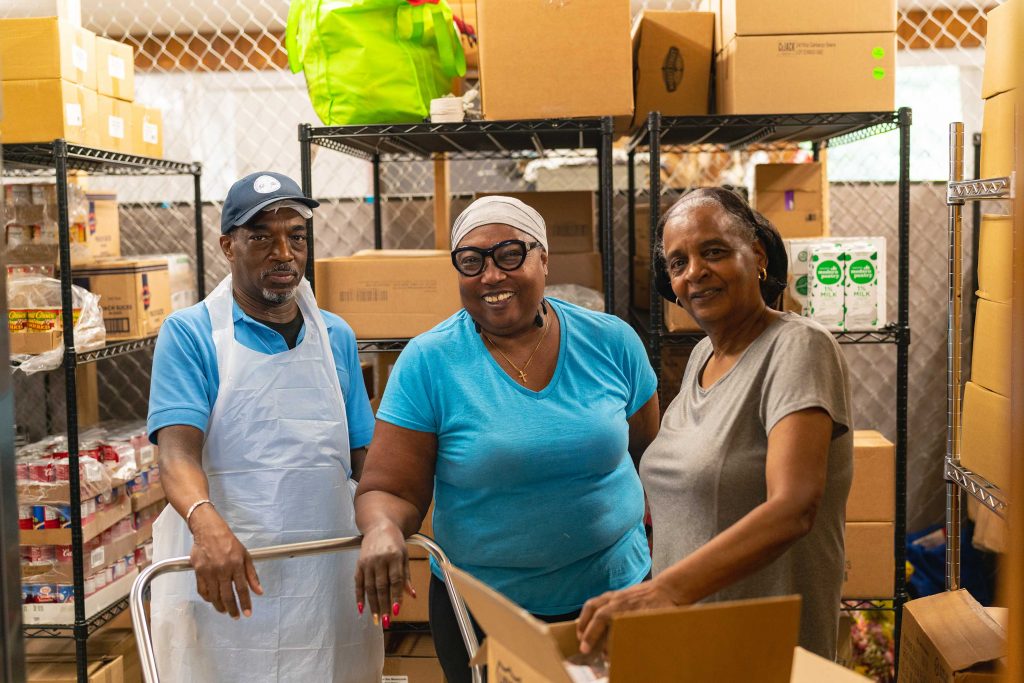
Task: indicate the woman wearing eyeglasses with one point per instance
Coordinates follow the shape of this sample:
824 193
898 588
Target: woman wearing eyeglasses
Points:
524 418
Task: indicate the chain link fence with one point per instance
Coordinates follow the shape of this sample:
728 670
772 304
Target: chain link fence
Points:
218 70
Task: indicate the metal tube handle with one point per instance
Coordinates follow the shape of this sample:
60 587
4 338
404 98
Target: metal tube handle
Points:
144 638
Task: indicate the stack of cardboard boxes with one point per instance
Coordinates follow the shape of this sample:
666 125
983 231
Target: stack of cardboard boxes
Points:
62 81
870 515
985 443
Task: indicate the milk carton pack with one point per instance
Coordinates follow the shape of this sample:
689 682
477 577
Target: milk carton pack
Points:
826 289
799 251
865 284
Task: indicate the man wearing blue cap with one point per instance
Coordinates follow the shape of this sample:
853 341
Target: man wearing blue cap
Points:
258 405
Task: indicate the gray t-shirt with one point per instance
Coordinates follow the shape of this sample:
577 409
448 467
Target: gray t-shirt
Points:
706 468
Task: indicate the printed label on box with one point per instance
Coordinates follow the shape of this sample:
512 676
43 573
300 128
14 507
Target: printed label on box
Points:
73 113
150 133
115 126
115 65
146 455
96 558
394 679
80 58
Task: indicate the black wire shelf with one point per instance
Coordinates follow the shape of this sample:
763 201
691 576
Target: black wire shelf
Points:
112 350
380 345
864 605
28 159
93 624
469 140
731 131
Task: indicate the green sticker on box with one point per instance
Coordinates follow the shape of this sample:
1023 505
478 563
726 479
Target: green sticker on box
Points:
878 52
878 73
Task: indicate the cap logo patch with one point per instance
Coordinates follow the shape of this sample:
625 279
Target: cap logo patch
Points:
266 184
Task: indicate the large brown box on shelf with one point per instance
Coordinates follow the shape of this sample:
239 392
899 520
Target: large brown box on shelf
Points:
541 59
795 74
411 658
100 671
985 434
997 134
37 48
115 69
995 258
576 269
870 560
115 123
1003 46
873 492
993 339
794 197
105 644
568 216
135 294
949 638
44 110
103 225
672 53
416 609
147 131
389 293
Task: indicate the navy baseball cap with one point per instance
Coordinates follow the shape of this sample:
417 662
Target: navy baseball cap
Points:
255 192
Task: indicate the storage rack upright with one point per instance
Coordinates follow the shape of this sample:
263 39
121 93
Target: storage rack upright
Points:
56 159
959 480
731 132
467 141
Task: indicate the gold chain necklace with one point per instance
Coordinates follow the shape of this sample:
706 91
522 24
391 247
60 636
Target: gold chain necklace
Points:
522 370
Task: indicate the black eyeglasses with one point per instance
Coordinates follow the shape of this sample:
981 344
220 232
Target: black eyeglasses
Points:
508 255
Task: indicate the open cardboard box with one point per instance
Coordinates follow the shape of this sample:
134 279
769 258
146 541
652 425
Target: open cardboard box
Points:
727 642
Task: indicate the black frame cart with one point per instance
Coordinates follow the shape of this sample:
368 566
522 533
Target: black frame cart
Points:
961 482
56 159
728 132
467 141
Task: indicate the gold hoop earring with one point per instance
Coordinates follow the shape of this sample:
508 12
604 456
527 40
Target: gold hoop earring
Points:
763 274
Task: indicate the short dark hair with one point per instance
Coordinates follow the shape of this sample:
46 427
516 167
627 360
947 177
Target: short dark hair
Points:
751 224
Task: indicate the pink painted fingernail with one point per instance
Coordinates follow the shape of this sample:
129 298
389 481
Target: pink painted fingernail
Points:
387 621
359 606
394 609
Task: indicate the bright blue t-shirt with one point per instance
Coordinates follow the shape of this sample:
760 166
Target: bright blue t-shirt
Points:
535 493
185 377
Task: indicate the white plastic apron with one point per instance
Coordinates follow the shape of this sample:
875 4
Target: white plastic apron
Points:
277 459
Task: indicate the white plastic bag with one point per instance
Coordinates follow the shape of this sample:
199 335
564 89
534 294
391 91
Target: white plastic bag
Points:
44 292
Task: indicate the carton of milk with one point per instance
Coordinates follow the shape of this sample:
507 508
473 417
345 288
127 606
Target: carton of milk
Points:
865 283
826 289
799 251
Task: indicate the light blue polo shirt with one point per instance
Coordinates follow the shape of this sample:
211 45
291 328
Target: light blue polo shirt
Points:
535 493
185 377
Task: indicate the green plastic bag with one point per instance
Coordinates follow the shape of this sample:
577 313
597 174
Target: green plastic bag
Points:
373 61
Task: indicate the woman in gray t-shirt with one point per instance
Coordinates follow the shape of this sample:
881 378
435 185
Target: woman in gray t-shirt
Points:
748 477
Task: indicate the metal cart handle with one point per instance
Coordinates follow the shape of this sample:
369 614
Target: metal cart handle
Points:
144 639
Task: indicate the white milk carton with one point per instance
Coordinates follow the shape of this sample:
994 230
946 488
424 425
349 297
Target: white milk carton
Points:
799 251
826 286
865 284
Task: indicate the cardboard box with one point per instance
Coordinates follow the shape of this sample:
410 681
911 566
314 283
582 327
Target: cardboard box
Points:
993 339
103 226
101 671
46 48
417 609
569 217
873 492
576 269
135 294
696 643
389 294
870 563
42 111
1002 48
115 69
35 342
115 123
794 74
106 644
997 135
810 668
541 59
758 18
948 637
794 197
995 258
985 434
411 658
672 53
147 131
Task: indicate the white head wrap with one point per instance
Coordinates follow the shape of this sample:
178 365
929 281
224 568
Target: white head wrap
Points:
503 210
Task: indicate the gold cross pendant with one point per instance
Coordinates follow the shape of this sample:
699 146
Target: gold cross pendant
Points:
522 376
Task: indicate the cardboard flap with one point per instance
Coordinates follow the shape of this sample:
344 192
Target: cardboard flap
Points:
513 626
810 668
764 630
962 632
